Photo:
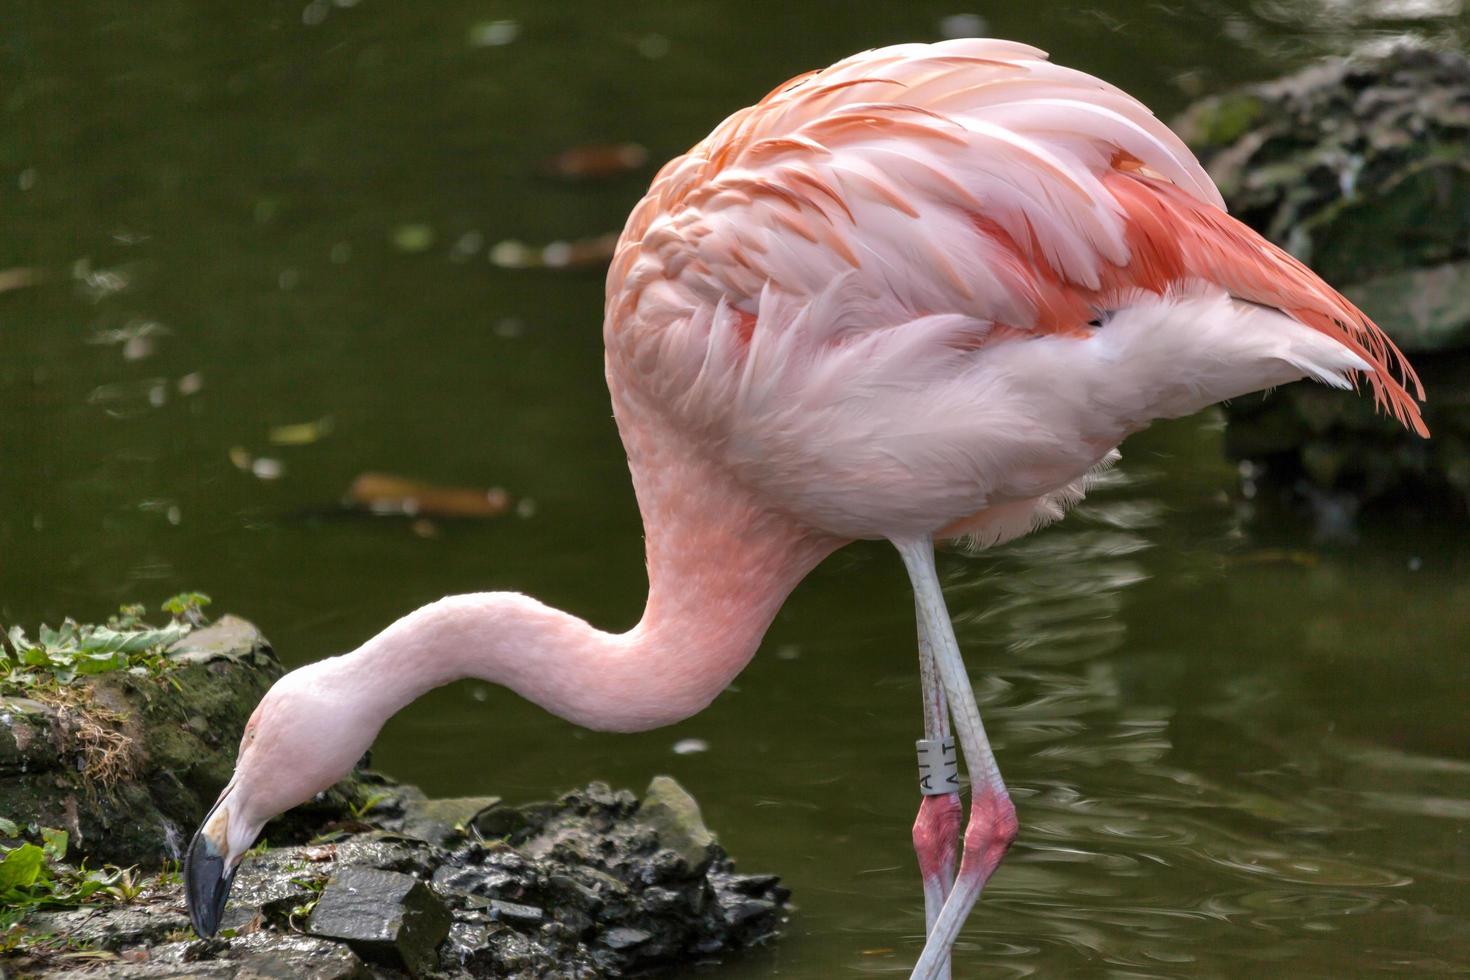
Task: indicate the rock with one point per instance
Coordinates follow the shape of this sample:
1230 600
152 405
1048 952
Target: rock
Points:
1355 165
526 915
674 816
227 638
386 917
170 770
150 938
440 821
594 884
276 955
177 734
147 922
1358 167
624 937
1429 309
269 888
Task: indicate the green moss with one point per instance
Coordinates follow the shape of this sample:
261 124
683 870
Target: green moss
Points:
1229 117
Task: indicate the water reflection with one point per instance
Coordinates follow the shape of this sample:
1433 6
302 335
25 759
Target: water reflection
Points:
1122 796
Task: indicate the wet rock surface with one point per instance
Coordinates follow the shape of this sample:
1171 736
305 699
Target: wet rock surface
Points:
598 883
1359 168
385 916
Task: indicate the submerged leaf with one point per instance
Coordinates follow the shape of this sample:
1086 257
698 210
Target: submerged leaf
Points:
595 161
385 493
412 237
301 433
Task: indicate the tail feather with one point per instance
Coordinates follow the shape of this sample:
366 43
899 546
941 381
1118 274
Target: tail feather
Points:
1174 237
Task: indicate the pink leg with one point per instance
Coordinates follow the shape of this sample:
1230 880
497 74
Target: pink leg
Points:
992 826
937 827
991 832
936 841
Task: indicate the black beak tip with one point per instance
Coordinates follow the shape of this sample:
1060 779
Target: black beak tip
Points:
206 884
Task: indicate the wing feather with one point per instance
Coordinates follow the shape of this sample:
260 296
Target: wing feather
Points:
971 180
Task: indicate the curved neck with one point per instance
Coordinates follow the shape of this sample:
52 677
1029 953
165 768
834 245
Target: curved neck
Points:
719 569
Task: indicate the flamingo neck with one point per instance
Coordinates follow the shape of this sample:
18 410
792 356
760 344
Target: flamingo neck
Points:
719 569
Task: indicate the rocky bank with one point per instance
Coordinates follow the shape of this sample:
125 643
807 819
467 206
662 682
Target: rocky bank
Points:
379 882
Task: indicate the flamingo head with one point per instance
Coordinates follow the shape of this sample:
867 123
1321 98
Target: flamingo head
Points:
302 738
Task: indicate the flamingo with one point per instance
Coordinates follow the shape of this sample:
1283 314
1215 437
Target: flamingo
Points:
921 294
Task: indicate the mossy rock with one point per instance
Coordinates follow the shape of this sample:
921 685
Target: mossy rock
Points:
168 743
1359 167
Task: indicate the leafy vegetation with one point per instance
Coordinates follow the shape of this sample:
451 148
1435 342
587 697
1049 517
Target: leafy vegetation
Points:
299 914
360 808
35 876
124 643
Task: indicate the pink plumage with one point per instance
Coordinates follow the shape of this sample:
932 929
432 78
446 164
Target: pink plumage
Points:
817 290
922 293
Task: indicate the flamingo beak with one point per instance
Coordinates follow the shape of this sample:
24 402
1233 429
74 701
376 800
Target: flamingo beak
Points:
208 872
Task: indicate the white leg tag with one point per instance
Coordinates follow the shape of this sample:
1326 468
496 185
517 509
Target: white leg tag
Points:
939 767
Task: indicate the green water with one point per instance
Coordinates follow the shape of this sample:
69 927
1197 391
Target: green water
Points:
1236 751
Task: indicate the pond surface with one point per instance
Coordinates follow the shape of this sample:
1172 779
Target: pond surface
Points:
1235 750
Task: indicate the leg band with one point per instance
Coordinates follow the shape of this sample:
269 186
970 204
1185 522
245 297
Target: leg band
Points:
939 768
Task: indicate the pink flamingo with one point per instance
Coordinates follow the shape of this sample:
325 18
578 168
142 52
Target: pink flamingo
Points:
921 294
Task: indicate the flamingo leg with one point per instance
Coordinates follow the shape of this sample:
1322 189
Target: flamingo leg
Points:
992 825
937 827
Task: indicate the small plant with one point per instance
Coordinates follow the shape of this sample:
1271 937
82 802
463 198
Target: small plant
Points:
35 876
361 808
188 606
169 874
300 913
124 643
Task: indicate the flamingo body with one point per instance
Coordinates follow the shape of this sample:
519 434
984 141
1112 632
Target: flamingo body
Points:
934 280
923 293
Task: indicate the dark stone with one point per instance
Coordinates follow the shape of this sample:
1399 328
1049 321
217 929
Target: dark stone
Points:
388 852
150 930
674 816
440 821
1429 308
142 923
624 937
269 887
511 912
385 916
596 886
